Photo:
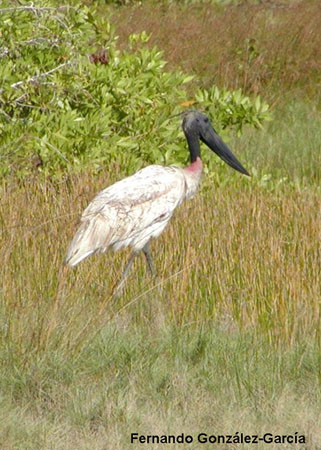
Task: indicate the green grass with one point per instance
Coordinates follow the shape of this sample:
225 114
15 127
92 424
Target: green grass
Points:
160 380
288 146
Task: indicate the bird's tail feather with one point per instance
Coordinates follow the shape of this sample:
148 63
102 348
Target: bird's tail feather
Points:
92 236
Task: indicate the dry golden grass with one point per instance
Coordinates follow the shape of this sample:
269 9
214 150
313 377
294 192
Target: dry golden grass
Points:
237 254
269 48
228 342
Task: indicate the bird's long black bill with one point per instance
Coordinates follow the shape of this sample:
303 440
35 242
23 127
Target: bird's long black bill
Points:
215 143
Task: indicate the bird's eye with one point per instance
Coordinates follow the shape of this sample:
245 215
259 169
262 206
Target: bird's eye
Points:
206 119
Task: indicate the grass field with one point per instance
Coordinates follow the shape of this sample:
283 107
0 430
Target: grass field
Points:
228 338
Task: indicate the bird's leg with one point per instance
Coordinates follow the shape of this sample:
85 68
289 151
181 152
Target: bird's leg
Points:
117 288
149 260
148 256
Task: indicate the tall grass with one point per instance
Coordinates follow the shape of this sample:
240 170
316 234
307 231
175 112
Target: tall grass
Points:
247 250
228 337
267 48
233 319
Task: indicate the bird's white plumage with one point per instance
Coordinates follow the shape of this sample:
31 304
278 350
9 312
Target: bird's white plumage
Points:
131 211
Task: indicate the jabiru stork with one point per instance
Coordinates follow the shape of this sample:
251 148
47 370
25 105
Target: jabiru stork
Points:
138 208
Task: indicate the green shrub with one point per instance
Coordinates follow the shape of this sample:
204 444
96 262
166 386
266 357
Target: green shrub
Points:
70 99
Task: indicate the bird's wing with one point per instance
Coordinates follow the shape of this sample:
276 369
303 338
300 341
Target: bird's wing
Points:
145 185
127 210
136 202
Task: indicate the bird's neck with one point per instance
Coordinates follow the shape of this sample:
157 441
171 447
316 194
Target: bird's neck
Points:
192 175
194 147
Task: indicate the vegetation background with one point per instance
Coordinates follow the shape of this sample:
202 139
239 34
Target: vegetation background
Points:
228 338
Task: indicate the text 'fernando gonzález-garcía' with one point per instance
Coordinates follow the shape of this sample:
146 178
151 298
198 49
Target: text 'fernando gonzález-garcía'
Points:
205 438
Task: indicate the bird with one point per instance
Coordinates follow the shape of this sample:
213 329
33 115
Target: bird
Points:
132 211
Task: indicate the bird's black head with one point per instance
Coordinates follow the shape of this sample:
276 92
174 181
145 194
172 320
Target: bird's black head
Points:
194 121
197 126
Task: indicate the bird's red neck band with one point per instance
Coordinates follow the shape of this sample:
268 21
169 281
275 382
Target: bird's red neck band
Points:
195 166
